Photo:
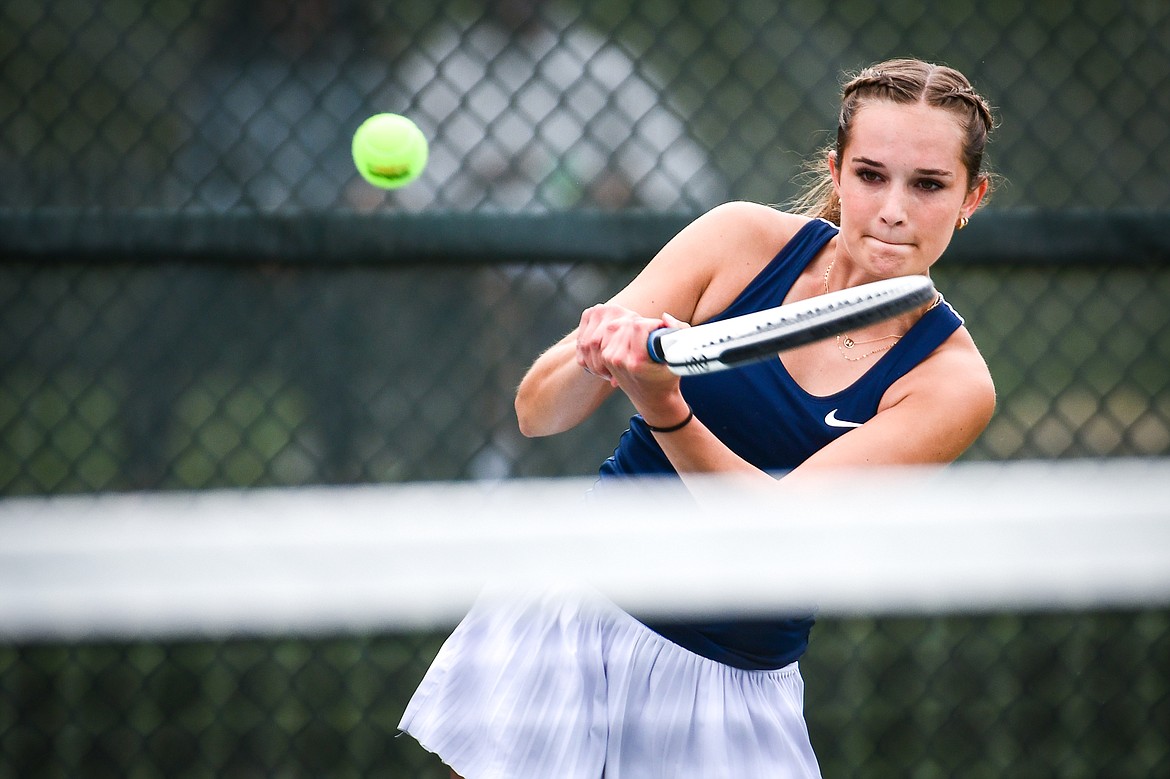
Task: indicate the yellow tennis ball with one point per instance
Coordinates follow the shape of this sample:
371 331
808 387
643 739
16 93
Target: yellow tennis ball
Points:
389 151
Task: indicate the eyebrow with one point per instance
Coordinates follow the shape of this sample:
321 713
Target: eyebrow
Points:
919 171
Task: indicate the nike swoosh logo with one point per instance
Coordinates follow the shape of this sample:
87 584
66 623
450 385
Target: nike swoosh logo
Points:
832 421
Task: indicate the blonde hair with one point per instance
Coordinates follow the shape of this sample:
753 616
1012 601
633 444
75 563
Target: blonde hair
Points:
903 81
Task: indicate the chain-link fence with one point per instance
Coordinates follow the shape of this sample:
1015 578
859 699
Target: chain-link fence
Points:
534 104
202 375
198 343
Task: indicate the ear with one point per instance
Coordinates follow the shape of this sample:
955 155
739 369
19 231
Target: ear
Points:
834 171
974 198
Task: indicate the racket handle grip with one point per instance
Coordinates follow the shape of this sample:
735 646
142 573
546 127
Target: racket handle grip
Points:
654 343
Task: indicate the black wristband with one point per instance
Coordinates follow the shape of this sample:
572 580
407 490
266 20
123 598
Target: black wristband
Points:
672 428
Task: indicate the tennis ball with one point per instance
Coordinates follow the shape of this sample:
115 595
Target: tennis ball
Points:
389 151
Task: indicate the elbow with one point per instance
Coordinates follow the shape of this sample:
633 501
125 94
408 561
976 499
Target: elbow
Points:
527 428
526 419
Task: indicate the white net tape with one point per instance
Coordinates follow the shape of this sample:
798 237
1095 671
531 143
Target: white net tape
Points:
975 537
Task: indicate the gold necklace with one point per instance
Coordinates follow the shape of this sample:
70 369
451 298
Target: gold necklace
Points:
848 343
845 342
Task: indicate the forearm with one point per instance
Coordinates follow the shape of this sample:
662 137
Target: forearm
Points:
697 455
694 451
557 394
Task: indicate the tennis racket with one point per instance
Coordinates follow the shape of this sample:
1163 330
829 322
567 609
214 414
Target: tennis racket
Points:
717 346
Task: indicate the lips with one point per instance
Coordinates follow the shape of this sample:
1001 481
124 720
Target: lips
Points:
889 243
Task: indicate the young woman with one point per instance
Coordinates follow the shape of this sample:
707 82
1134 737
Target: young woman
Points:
574 687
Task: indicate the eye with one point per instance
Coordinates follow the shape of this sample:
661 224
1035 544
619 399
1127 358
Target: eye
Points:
931 185
868 175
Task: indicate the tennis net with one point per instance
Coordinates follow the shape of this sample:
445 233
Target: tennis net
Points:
981 620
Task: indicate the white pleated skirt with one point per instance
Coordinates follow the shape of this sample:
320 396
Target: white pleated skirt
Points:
565 684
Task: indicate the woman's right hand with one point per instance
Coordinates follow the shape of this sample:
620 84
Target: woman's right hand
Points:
611 339
592 335
611 344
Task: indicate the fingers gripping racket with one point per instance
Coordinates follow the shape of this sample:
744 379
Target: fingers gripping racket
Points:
717 346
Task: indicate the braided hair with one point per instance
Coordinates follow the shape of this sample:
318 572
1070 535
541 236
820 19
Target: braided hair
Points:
904 81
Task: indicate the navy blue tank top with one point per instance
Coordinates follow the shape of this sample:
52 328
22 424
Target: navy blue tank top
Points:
765 417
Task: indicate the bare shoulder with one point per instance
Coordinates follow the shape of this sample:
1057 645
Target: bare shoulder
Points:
731 244
702 268
950 400
955 376
748 222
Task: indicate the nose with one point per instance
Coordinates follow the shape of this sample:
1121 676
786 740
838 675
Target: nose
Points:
893 210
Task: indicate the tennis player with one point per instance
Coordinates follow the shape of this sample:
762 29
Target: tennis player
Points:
563 686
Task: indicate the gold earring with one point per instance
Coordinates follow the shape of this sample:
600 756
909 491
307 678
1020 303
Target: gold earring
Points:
963 222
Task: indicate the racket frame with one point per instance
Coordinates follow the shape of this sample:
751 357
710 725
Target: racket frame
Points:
730 343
